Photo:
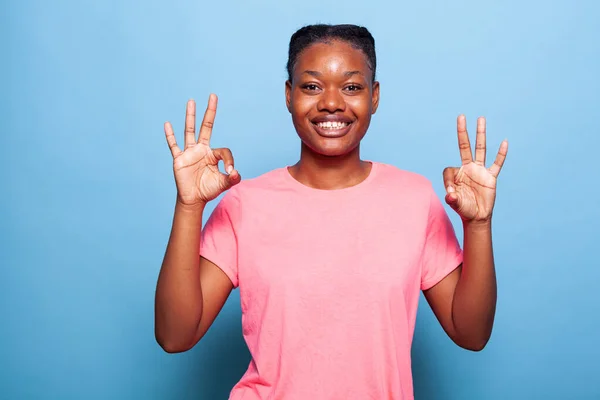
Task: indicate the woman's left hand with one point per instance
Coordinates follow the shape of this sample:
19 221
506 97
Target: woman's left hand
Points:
471 189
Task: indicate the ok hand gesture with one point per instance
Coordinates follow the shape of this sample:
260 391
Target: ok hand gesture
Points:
196 168
471 189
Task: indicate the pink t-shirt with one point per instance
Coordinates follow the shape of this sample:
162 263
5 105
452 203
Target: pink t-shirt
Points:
329 280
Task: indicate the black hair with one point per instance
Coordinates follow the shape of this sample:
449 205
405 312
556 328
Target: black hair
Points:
357 36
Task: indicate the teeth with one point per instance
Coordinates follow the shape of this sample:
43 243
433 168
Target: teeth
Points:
332 125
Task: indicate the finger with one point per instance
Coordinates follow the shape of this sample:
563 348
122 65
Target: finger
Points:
208 120
452 196
227 181
480 142
463 140
171 141
190 124
225 155
449 176
500 157
234 178
453 200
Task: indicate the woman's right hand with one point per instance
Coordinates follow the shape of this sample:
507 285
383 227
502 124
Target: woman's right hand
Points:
196 168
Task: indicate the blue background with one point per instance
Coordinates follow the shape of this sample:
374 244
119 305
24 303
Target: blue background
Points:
88 192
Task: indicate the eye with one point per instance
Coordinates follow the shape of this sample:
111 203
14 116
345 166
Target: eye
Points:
353 88
310 87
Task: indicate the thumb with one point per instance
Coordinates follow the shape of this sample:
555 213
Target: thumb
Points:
234 177
452 198
229 180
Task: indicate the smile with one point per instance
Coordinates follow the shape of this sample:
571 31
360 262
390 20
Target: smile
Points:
332 125
332 129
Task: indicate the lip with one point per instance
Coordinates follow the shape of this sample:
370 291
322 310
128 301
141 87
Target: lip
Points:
331 118
332 133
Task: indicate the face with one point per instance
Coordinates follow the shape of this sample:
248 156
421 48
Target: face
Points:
331 97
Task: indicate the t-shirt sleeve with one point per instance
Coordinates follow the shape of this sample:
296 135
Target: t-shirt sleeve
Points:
218 241
442 253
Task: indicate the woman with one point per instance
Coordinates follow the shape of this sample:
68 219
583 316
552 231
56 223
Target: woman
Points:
329 254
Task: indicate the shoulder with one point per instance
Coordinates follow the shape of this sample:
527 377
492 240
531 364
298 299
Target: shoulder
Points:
407 181
266 181
255 186
415 192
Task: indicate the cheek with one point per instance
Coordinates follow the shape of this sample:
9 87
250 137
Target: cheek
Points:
361 107
301 103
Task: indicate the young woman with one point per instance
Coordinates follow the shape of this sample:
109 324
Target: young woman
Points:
329 254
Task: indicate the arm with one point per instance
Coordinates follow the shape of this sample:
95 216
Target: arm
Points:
465 301
191 290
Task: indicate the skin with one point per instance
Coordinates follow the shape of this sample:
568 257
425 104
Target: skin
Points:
330 80
190 290
465 301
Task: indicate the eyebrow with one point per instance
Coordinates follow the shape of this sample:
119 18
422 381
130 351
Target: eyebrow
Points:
317 74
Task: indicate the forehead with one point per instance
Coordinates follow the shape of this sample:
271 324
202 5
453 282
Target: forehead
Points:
334 56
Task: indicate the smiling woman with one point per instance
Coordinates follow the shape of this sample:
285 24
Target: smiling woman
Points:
331 91
330 254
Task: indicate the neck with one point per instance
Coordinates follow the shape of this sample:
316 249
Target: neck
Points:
330 172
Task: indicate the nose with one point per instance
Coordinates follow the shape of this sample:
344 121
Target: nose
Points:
331 100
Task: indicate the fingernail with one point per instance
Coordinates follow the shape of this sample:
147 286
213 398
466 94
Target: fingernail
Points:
229 169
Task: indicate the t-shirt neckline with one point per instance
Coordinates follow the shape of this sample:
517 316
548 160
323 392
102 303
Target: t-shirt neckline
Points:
289 179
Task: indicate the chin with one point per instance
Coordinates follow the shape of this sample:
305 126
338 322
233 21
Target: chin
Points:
331 149
329 146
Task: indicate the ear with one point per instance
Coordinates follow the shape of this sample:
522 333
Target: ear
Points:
288 95
375 97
